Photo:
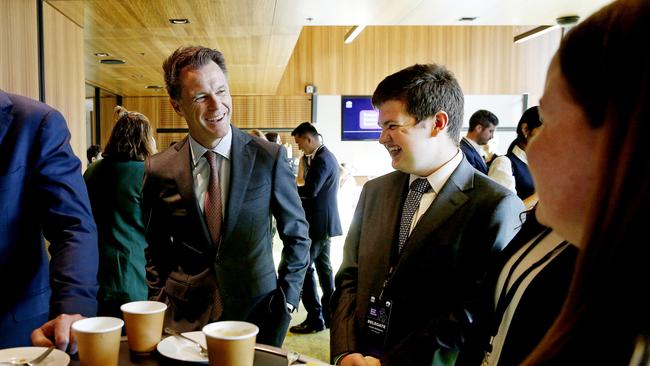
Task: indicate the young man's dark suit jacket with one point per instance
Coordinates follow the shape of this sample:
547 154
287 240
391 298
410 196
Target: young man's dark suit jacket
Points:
318 196
42 194
473 157
436 283
182 262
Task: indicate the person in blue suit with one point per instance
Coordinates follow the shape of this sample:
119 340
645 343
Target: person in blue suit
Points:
319 199
42 196
481 130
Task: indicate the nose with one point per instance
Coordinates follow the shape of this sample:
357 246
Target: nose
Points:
384 137
213 102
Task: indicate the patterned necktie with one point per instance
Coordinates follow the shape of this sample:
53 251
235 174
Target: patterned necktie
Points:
416 190
212 203
213 218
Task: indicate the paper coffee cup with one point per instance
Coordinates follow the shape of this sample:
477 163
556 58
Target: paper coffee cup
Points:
231 343
144 322
98 340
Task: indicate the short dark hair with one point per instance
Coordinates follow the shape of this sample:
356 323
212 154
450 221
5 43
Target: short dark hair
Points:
190 56
272 136
484 118
426 90
93 151
305 128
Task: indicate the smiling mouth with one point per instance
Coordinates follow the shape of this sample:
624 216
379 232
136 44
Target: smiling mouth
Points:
393 150
216 119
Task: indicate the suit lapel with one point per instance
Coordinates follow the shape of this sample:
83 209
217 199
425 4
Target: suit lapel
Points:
242 158
185 183
452 196
391 211
5 117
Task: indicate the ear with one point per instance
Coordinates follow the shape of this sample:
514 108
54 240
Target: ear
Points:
440 122
177 107
524 129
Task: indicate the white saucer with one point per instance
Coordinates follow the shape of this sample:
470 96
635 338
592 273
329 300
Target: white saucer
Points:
24 354
180 349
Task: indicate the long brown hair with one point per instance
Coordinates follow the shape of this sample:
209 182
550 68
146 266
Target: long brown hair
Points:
606 64
131 137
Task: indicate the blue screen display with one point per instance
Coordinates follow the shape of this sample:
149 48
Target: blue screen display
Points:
358 119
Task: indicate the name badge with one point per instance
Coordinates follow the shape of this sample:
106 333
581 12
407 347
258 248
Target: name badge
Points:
377 321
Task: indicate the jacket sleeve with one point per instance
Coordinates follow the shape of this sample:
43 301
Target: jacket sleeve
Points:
292 228
343 303
68 222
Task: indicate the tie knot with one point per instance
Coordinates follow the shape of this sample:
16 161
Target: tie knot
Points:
420 185
211 157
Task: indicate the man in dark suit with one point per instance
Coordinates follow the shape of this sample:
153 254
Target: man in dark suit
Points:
319 199
481 130
421 237
42 195
208 202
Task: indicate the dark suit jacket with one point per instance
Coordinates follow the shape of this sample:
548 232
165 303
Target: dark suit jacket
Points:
182 262
437 279
42 193
319 196
473 157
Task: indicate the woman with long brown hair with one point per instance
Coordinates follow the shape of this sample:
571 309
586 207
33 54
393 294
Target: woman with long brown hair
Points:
591 169
114 186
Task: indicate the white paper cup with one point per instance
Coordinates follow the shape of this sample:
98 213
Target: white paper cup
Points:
144 322
98 340
231 343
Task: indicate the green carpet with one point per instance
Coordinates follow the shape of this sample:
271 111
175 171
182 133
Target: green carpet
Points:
316 345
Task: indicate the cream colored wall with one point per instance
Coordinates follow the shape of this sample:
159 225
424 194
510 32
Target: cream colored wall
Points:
64 74
19 48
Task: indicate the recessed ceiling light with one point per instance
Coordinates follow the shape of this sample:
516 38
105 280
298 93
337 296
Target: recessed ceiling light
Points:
467 19
112 61
101 54
179 21
154 87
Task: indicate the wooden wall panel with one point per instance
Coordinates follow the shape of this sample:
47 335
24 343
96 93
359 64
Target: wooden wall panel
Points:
264 112
19 48
484 58
64 74
107 105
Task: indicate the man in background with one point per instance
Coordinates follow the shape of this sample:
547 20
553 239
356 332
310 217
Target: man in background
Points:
42 196
481 130
208 201
319 199
422 237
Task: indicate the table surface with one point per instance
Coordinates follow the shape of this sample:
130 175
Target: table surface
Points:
264 356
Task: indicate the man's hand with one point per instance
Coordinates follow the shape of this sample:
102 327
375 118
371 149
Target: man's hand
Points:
57 332
357 359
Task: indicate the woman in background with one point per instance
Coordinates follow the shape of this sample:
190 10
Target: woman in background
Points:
591 169
511 170
114 185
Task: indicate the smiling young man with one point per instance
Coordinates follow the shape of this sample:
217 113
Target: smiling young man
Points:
208 202
422 237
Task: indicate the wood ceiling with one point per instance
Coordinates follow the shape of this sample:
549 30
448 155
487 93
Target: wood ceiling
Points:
258 36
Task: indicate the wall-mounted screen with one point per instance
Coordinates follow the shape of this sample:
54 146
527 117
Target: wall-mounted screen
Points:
358 119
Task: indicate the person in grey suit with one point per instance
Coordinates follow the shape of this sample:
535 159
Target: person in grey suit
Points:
208 202
422 237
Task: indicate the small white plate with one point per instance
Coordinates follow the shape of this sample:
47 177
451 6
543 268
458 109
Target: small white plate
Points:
24 354
180 349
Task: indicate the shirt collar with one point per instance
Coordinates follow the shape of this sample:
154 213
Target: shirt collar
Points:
521 154
311 156
476 146
223 147
438 178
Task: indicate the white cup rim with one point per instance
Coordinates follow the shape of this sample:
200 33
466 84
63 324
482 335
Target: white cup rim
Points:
108 324
156 307
251 328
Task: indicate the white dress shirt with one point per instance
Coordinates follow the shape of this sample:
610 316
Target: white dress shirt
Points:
201 169
437 180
